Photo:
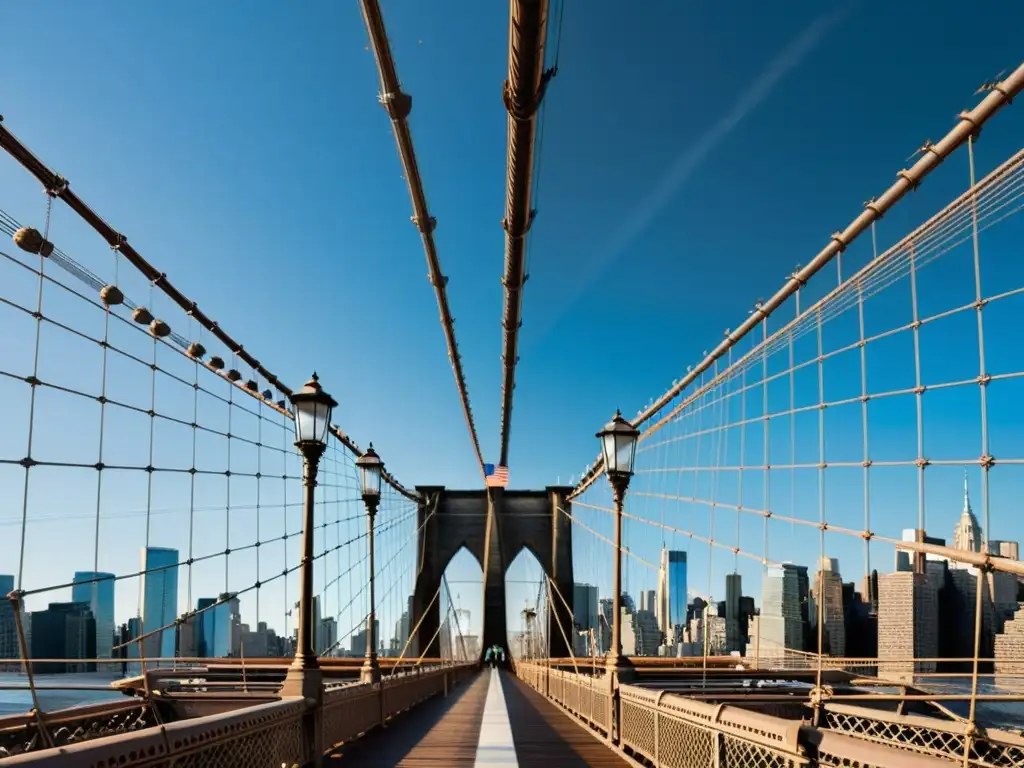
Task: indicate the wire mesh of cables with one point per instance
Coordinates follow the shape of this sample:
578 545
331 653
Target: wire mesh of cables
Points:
152 495
856 463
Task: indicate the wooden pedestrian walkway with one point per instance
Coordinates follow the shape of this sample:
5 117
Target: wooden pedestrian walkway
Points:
492 720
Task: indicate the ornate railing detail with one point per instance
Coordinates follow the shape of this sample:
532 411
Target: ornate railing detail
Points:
674 731
20 733
264 736
270 734
989 748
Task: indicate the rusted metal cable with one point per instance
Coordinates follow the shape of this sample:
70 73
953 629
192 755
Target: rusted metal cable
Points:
398 105
522 94
59 187
969 124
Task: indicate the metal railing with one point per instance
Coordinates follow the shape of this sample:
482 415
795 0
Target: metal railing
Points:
270 734
265 735
675 731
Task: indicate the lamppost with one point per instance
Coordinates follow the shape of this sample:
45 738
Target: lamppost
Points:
618 446
312 407
372 469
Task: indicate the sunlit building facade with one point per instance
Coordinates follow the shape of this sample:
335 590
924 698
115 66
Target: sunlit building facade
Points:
159 600
97 590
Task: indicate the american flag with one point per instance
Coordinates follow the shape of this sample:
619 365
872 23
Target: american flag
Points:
497 476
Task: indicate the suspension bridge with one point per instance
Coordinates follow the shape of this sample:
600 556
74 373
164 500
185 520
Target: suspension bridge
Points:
790 435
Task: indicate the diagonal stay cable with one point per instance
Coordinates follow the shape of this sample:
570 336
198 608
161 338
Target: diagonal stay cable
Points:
398 105
59 187
968 124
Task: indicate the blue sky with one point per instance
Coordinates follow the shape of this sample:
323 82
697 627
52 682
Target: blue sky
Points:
693 154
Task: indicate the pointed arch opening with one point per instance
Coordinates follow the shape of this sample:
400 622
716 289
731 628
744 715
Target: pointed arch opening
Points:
461 600
527 593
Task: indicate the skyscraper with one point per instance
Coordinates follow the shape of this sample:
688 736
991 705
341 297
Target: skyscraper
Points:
783 609
734 639
585 616
97 590
908 624
829 590
9 647
329 635
671 599
967 534
64 631
220 626
649 600
159 600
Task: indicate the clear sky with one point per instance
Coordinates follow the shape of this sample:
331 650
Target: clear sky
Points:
692 155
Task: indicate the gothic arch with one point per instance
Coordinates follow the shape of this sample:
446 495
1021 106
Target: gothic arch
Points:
494 525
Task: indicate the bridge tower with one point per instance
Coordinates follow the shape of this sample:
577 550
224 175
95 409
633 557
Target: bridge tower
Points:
494 525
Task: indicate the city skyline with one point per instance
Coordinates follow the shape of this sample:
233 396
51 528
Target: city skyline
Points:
75 523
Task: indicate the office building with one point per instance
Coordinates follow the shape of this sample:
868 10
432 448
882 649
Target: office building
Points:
783 618
328 636
829 591
649 600
9 646
735 639
64 631
159 601
1009 549
908 624
585 616
671 595
97 590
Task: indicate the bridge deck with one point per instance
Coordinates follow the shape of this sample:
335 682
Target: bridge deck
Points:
494 720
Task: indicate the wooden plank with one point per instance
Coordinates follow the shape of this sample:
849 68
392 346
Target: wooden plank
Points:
440 731
546 735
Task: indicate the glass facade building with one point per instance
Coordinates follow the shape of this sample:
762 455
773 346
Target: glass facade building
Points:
219 627
97 592
159 600
677 600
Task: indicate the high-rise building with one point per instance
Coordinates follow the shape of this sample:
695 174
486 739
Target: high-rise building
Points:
1010 549
64 631
605 608
967 534
219 626
908 624
358 641
9 646
783 618
671 597
649 600
905 558
159 600
584 615
97 589
829 591
734 639
641 634
328 635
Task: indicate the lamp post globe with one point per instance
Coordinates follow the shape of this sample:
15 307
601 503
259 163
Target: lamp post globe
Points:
618 448
313 409
371 469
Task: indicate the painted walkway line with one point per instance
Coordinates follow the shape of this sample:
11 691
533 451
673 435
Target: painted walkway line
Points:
495 747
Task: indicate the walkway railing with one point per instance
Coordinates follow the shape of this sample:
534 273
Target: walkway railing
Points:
678 732
271 734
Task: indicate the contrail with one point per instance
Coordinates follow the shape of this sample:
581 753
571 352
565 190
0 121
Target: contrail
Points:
696 153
